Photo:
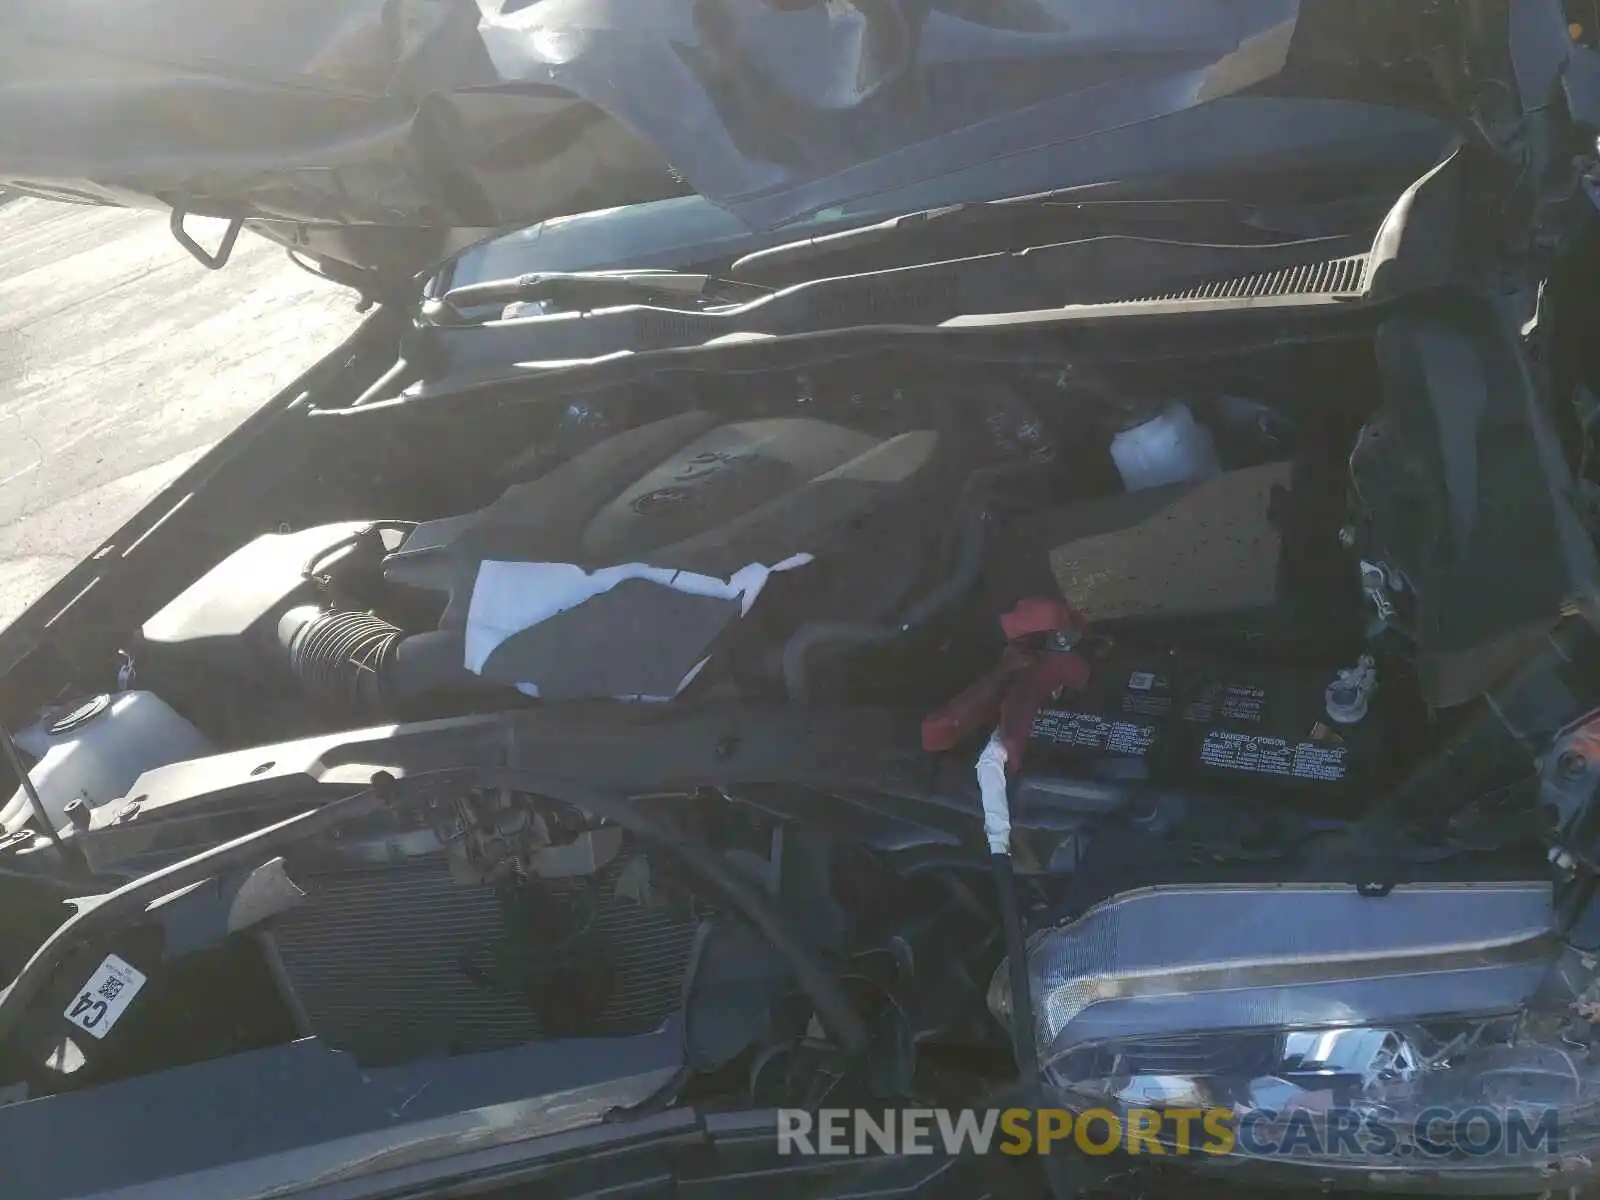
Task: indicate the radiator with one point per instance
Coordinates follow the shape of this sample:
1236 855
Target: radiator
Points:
374 961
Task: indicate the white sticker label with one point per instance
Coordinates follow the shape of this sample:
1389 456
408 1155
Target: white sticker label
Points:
1272 756
101 1002
1141 681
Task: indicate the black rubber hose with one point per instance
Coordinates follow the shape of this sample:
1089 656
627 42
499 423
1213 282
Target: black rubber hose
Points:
820 985
946 594
971 535
1063 1175
1024 1045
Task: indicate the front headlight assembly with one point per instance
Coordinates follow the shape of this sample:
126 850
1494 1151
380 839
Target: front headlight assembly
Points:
1435 1036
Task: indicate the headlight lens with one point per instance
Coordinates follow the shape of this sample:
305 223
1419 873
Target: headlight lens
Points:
1399 1036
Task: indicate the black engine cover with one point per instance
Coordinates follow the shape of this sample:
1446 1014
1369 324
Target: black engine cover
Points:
687 492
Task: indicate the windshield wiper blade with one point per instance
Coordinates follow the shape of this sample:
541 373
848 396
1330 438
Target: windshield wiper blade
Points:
594 289
1103 216
825 244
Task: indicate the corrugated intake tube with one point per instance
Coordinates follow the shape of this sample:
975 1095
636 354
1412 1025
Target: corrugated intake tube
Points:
340 657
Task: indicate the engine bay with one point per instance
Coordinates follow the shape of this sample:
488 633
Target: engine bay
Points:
755 605
871 525
809 541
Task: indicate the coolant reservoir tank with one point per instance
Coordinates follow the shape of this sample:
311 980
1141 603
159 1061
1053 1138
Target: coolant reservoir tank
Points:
1170 448
95 749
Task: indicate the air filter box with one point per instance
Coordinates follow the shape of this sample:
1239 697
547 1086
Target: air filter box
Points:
223 623
1246 556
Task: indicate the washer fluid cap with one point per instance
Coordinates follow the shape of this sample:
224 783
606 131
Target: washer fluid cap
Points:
79 715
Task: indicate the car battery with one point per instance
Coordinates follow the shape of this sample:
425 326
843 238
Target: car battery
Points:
1180 719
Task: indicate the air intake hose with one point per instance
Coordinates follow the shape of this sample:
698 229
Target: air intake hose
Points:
356 662
341 658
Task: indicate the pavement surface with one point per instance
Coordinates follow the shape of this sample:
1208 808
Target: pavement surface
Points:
121 361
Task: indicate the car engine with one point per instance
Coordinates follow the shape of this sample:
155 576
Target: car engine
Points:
688 493
756 607
857 522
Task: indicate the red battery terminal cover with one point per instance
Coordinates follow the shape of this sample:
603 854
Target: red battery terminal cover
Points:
1041 658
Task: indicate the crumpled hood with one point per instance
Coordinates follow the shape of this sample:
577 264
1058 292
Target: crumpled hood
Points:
389 133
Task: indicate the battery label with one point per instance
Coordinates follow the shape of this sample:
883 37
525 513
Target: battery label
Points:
1089 731
1231 701
1255 754
1147 695
1243 702
1147 704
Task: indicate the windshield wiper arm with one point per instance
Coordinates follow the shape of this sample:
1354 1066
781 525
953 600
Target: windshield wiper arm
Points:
589 289
825 244
1122 216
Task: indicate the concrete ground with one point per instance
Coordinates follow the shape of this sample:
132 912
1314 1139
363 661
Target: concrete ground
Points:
121 361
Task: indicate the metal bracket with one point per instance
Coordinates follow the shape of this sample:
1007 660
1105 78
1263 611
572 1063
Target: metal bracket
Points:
210 260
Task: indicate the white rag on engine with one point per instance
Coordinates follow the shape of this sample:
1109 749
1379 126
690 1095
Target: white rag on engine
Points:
509 598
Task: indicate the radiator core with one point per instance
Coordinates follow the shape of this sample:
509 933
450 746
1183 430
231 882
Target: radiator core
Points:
374 960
